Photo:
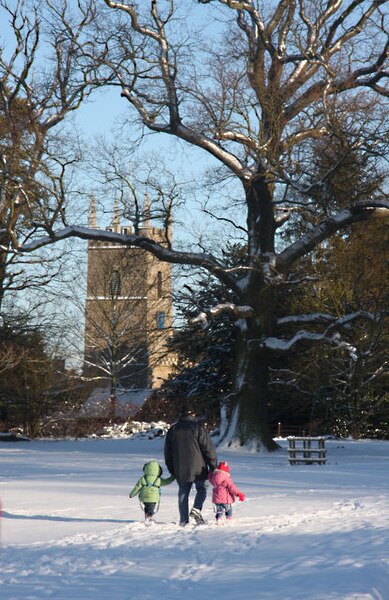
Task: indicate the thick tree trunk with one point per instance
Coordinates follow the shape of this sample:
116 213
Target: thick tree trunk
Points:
248 422
4 242
355 412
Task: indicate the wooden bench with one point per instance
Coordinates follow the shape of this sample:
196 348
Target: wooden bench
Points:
306 450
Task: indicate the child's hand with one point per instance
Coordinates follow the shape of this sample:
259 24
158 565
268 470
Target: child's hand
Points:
241 497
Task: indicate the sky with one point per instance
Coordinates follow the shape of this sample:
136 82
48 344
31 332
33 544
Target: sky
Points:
305 532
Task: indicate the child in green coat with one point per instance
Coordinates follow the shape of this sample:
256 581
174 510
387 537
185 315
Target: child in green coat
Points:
148 488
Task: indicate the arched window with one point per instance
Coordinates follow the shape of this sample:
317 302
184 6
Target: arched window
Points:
116 284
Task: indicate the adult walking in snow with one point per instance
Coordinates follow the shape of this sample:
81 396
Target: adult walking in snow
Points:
189 455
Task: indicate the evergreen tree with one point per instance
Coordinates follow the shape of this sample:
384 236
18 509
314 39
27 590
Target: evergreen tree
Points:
205 355
32 383
343 386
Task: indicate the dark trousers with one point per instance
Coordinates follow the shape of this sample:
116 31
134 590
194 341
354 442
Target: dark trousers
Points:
149 508
183 498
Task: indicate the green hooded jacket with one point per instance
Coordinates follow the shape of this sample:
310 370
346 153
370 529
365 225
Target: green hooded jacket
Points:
148 485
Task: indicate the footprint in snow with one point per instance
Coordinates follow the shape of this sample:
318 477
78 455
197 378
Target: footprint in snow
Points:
192 572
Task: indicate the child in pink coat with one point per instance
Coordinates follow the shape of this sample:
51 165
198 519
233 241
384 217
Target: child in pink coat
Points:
224 491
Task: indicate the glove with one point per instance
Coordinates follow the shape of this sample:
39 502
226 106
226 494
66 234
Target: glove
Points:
241 497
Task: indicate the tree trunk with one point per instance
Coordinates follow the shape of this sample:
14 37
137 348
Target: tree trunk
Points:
248 421
4 242
355 412
113 398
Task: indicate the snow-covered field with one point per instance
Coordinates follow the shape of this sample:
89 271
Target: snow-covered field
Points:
70 532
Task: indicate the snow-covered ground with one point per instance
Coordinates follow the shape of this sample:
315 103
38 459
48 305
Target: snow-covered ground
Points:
70 532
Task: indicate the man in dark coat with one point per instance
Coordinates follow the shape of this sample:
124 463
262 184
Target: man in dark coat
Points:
189 454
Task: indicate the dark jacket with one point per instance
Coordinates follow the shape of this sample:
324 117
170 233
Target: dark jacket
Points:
189 451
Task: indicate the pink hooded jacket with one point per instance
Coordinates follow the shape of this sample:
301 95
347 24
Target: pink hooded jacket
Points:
224 489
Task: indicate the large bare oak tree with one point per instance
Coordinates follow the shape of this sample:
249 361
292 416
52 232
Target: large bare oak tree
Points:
268 80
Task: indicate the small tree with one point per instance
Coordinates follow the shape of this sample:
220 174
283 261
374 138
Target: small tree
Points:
116 331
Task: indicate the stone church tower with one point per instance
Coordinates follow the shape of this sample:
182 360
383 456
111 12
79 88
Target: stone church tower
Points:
128 313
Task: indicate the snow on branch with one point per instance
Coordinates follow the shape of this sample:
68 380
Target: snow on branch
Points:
360 211
310 318
352 350
326 318
234 311
358 314
282 345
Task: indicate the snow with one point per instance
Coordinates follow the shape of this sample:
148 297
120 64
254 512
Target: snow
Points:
309 318
314 532
281 345
128 401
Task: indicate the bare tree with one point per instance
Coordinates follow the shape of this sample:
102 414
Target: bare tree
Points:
116 325
42 81
254 95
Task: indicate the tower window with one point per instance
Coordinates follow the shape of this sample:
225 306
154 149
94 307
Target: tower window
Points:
116 284
159 285
161 318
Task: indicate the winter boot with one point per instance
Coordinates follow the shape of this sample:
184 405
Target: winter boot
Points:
197 516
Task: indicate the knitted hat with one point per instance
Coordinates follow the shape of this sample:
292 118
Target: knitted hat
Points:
223 466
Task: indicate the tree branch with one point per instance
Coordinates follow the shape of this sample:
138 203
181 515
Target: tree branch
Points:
361 211
203 260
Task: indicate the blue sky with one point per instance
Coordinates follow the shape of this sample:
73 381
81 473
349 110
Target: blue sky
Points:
100 113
